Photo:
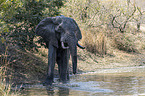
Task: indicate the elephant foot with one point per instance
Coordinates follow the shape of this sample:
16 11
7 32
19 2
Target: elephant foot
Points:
65 82
47 83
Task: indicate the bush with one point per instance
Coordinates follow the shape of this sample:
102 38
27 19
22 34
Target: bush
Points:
20 18
125 42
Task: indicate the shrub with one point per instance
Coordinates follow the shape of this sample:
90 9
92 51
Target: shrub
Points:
125 42
20 17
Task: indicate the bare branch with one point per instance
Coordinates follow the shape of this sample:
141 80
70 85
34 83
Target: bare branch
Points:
122 26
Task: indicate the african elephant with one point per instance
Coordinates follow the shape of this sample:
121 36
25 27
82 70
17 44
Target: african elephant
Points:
61 34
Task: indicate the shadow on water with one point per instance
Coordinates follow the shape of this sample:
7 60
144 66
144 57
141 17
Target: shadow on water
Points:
94 84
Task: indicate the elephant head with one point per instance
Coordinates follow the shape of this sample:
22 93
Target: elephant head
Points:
62 32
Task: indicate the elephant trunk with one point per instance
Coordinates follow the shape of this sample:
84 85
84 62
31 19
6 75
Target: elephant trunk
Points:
74 59
74 63
73 52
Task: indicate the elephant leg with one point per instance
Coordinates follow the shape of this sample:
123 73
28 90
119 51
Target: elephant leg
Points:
68 57
51 64
59 61
62 61
65 68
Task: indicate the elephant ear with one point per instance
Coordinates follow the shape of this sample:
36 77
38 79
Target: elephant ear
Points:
46 29
42 28
77 31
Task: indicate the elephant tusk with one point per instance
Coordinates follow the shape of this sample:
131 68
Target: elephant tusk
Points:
80 46
62 45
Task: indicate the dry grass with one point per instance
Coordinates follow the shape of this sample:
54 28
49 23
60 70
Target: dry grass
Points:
95 42
101 40
4 88
91 62
25 66
125 42
120 49
5 75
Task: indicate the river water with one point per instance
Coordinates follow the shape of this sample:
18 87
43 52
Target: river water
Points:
128 81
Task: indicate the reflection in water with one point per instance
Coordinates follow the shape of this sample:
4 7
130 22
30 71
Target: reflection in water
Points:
61 91
129 83
50 91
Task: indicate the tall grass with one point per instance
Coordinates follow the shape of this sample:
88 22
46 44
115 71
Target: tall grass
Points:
101 40
5 86
95 42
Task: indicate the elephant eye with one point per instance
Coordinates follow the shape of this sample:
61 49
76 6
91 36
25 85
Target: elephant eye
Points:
59 29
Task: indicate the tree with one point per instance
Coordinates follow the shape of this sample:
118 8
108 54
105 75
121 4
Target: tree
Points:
20 17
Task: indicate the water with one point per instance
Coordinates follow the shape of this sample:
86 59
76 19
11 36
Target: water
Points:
116 82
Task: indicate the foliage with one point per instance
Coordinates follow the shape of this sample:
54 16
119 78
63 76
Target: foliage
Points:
20 17
107 16
94 13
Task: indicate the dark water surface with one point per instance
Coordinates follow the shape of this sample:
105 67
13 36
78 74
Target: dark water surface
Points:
114 82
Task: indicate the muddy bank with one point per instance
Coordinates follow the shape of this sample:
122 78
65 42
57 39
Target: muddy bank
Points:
28 67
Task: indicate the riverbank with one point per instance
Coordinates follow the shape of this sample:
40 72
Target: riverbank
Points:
28 67
31 68
89 62
114 81
121 70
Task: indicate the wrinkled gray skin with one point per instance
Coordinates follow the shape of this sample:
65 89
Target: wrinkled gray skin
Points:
61 35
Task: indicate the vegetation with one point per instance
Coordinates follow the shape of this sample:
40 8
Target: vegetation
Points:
112 32
18 21
20 17
106 20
